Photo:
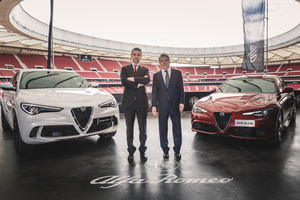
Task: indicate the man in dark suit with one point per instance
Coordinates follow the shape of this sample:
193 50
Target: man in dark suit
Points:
168 100
134 77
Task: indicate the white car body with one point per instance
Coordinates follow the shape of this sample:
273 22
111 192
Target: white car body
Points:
80 113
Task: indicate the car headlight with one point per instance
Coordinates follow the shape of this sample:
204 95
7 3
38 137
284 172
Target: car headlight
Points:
260 113
111 103
197 109
33 109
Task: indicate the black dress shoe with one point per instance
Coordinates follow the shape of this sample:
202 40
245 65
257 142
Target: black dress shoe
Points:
166 156
143 157
130 157
178 156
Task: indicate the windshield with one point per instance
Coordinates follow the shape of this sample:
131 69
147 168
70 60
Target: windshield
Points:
52 79
256 85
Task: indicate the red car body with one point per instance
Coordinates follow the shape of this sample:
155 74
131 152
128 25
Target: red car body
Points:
247 115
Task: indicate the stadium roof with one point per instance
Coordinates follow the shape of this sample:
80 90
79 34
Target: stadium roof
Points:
21 33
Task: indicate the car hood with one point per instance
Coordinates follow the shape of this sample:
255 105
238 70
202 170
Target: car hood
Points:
236 102
64 97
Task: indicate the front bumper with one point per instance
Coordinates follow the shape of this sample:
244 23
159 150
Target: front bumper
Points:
262 128
55 126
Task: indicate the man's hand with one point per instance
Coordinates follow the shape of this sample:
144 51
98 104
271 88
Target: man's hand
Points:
130 79
181 107
154 112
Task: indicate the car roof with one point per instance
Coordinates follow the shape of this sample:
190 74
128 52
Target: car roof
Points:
254 76
38 70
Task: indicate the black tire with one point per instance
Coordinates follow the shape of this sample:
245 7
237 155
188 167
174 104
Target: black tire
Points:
277 139
107 135
20 147
5 125
294 115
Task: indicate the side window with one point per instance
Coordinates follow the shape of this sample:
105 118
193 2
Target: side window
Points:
14 79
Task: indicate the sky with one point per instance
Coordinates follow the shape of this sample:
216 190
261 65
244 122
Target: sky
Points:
170 23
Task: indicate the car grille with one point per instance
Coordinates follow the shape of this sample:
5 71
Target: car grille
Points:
204 127
100 124
222 119
82 116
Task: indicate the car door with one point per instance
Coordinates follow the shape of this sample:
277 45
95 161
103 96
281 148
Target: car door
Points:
287 100
290 102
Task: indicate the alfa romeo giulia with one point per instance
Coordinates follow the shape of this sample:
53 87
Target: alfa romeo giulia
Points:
42 106
248 107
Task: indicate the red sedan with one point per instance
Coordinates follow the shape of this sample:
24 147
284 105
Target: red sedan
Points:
248 107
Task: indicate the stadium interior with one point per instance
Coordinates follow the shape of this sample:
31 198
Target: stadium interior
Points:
107 72
212 167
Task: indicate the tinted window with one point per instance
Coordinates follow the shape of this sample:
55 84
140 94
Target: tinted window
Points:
255 85
52 79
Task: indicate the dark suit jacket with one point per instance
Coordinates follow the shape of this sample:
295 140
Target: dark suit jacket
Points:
163 97
132 94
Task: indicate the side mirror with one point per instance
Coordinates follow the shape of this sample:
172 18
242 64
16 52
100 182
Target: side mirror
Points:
287 89
213 90
93 85
7 86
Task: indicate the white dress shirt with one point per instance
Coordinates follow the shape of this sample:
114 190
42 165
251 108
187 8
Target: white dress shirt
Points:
137 66
164 73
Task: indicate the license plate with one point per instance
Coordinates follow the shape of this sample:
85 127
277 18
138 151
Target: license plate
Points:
244 123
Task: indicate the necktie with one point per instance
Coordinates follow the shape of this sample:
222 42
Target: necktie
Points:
167 78
135 69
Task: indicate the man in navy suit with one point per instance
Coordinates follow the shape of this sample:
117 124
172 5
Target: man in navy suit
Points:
168 100
134 77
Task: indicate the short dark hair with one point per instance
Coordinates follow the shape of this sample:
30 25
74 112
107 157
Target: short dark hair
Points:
164 55
136 49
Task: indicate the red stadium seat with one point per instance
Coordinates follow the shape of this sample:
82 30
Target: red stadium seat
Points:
64 62
89 66
34 61
8 60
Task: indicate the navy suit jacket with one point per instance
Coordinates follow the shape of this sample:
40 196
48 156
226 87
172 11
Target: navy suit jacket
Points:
167 99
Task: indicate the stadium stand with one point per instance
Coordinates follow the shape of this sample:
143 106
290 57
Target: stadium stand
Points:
224 70
109 75
204 70
290 67
89 75
90 66
240 70
117 90
186 70
152 68
65 62
124 63
6 73
107 72
9 61
110 65
33 61
273 68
